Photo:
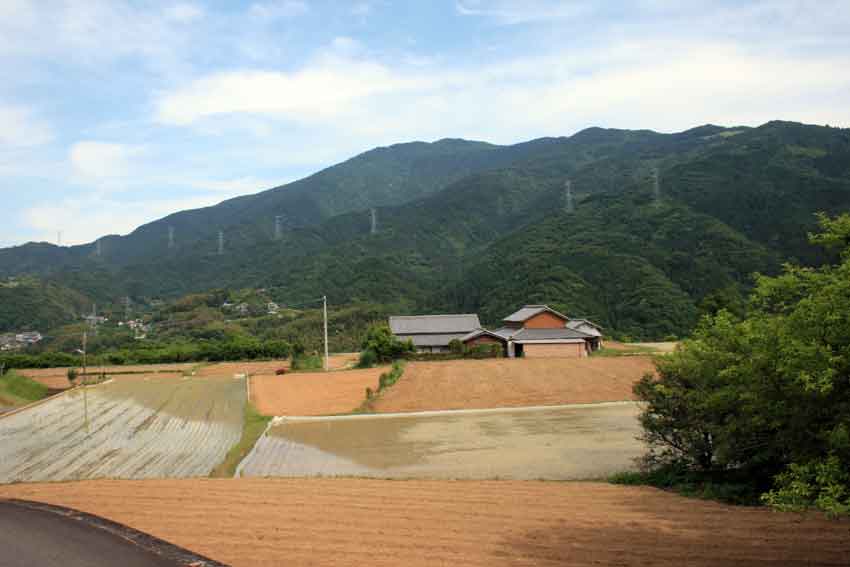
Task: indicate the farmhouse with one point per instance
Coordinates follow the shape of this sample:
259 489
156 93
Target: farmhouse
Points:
433 333
533 331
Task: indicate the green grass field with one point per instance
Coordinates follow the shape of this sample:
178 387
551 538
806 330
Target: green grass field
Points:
16 390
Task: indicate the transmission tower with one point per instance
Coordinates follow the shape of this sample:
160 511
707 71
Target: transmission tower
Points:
59 238
171 237
569 206
98 249
278 227
374 215
656 185
220 242
127 308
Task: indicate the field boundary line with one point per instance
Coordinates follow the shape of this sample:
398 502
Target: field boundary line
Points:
428 413
49 398
238 472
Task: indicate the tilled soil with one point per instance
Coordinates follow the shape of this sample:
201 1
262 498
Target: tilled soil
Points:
479 384
249 522
313 393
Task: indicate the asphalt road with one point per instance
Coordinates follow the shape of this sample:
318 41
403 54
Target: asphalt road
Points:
30 537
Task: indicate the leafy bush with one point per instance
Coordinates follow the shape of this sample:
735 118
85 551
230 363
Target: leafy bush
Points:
387 379
386 347
307 362
456 347
368 359
766 397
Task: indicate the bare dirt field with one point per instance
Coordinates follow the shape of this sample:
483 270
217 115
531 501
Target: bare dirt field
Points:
313 393
57 378
474 384
268 367
553 443
252 522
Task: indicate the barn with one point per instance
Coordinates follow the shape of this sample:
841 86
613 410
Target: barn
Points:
433 333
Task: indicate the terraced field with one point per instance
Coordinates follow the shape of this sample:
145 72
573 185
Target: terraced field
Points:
560 443
145 427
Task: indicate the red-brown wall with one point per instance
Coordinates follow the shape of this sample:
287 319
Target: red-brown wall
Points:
483 340
545 320
554 350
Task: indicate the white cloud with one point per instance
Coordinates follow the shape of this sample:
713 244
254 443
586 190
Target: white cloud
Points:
184 12
510 12
20 127
321 92
278 9
665 85
102 162
87 218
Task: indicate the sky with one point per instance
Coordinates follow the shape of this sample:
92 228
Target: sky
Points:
114 113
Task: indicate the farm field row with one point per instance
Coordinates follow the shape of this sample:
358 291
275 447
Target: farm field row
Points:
150 427
253 522
313 393
584 442
494 383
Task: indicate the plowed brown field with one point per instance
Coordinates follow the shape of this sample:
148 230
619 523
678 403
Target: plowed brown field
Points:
479 384
249 522
57 378
313 393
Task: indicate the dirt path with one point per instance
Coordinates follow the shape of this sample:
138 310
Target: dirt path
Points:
468 384
313 393
249 522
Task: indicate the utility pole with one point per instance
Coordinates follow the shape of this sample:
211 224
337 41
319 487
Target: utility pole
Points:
325 310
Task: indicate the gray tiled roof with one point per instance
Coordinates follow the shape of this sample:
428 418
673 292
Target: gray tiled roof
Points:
478 333
590 327
548 334
529 311
434 324
540 334
432 339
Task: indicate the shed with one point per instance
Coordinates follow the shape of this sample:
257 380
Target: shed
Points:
433 333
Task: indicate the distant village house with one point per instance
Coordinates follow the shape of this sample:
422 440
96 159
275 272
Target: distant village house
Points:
534 331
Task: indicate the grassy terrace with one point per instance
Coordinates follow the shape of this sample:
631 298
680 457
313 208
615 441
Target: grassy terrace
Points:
17 390
254 426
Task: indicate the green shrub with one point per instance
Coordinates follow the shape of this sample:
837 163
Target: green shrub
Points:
456 347
368 359
380 340
307 362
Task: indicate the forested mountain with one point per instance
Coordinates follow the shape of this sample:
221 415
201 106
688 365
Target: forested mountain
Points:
659 228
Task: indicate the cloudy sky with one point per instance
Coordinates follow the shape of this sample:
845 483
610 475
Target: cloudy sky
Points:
114 113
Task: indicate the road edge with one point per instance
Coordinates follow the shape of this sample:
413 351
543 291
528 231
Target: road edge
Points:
148 542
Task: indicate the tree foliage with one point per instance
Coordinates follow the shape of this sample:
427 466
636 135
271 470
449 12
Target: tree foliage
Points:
767 395
383 345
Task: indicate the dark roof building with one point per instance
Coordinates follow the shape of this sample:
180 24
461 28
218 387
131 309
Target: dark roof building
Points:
433 333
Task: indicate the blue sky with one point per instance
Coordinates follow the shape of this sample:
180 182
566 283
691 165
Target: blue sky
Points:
114 113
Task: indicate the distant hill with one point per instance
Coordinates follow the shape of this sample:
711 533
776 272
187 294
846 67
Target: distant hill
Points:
472 226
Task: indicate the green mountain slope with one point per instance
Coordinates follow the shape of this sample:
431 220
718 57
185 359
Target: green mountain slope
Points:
466 225
31 304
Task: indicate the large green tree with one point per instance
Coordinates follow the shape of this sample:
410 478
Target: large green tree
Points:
766 397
